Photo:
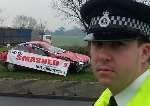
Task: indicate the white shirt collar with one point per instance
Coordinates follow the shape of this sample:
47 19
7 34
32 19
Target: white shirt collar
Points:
123 97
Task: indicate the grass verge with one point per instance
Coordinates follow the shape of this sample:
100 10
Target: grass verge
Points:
39 75
3 49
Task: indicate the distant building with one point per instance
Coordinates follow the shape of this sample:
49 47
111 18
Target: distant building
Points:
14 36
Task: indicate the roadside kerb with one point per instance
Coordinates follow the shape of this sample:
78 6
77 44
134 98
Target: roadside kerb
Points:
54 89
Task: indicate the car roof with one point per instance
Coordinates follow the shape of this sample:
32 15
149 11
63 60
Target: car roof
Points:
44 44
39 42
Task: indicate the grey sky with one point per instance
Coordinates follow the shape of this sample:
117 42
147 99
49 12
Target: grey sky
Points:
38 9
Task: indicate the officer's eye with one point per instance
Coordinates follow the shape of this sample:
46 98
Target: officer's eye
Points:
110 44
118 44
97 44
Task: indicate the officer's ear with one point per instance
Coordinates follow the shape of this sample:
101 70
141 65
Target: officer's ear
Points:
145 52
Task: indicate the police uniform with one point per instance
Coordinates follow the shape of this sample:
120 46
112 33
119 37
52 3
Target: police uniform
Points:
118 20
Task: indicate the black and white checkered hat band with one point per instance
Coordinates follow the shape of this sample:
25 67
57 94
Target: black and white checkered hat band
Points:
105 21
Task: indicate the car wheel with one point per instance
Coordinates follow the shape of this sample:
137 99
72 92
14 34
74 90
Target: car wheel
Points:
10 67
79 67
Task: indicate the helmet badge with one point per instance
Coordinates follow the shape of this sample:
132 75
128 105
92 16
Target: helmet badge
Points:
104 20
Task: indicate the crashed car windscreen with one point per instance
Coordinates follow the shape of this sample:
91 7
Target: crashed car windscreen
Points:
53 49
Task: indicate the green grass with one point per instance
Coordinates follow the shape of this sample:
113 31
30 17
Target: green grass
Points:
32 74
3 49
68 40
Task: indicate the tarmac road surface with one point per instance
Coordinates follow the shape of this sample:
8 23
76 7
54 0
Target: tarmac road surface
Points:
21 101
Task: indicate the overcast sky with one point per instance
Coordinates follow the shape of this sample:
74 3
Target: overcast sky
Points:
38 9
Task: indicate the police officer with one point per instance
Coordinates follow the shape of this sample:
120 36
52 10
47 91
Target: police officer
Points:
119 33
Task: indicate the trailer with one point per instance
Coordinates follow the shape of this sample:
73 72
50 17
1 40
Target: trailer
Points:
14 36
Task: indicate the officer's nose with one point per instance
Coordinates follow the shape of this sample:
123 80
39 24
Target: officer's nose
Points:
101 53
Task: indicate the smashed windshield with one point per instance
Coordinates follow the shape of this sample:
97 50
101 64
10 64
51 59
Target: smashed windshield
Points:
55 50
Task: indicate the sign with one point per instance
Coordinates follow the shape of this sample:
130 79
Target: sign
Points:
39 62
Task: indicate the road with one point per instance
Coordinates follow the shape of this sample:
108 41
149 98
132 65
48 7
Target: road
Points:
20 101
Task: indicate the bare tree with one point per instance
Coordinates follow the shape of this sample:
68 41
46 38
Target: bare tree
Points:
1 19
39 30
71 10
41 26
22 21
32 23
1 10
